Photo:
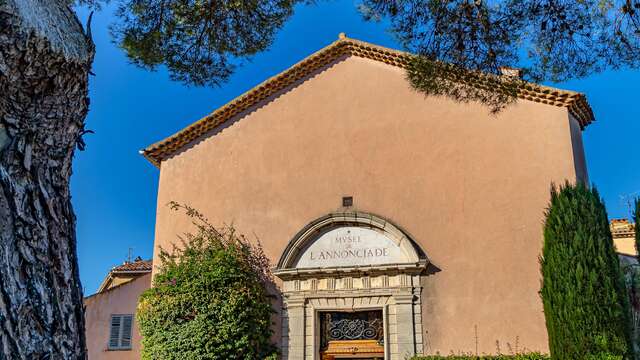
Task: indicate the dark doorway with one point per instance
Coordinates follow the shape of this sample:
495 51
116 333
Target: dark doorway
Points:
351 335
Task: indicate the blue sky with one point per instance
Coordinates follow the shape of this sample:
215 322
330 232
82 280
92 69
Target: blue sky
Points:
114 188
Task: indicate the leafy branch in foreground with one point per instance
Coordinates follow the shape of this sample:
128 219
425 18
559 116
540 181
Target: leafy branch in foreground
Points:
200 42
438 78
551 40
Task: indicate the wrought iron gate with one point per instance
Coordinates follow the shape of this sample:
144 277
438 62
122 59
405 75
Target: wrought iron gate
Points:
360 325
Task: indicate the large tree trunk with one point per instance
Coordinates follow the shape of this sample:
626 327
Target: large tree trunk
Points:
45 58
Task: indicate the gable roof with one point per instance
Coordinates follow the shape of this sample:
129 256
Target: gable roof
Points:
575 102
116 287
129 270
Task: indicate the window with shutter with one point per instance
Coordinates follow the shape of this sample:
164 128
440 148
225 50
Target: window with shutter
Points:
120 332
125 338
114 336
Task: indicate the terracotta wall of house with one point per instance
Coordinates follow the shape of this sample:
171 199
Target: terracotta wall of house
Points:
120 300
470 187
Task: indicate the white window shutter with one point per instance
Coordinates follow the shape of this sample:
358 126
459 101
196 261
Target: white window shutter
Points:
125 338
114 334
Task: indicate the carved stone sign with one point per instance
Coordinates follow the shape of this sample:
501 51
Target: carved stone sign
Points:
351 246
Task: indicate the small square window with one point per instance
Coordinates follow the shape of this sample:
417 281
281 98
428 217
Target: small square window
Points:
347 201
120 332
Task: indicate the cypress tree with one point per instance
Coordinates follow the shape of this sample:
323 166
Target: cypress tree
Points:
583 291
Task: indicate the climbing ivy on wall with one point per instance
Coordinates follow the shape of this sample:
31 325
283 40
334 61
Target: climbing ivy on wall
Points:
208 299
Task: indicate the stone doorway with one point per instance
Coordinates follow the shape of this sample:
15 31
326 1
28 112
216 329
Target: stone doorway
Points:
351 266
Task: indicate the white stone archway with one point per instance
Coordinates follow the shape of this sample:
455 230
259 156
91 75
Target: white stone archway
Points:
351 261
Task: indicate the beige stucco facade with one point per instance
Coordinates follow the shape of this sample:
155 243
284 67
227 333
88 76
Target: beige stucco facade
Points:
120 299
468 187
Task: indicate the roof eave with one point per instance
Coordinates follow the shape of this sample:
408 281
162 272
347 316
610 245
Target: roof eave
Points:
575 103
105 283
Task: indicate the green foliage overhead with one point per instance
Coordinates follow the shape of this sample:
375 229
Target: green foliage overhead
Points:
460 84
583 291
552 39
199 41
208 299
202 41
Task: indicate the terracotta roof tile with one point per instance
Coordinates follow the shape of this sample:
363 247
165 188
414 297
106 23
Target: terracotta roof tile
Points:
135 266
576 103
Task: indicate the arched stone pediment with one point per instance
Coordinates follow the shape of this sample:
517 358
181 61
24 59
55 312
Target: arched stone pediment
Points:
352 240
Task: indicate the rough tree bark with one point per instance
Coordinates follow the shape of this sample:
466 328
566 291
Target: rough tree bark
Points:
45 58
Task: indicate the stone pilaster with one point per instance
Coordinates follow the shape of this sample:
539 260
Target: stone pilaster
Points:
294 329
405 337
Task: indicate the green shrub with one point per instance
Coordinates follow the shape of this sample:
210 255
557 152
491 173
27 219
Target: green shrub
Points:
632 281
208 299
583 291
603 356
529 356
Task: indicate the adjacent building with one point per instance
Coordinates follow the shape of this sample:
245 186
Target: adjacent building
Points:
623 233
397 223
111 329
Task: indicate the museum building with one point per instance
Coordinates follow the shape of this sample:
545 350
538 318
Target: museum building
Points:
396 223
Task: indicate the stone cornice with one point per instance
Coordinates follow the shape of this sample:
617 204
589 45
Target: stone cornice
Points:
407 268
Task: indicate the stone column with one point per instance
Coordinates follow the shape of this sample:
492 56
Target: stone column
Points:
294 325
405 329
